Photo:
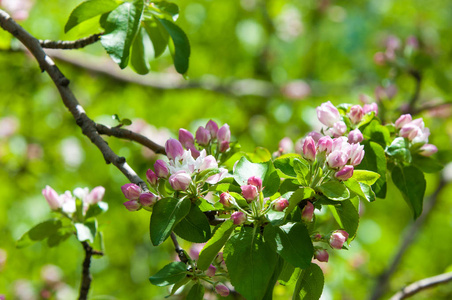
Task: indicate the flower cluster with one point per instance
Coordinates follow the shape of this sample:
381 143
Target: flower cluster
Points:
416 132
184 167
66 203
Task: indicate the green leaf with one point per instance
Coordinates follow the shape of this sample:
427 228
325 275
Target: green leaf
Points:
286 165
166 214
86 231
196 292
347 217
299 195
181 45
168 7
178 285
367 177
214 245
194 227
377 133
427 164
89 9
292 242
250 262
39 232
310 284
96 209
286 274
170 274
260 154
59 237
276 217
399 149
334 190
375 160
289 185
271 285
411 183
363 190
138 59
266 171
301 168
121 27
159 36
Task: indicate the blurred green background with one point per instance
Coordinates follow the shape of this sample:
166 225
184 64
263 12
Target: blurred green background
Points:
244 55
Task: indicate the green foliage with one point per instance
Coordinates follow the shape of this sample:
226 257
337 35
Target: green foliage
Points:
194 227
170 274
310 284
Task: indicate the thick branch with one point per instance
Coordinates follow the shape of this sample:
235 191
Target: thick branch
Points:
383 279
423 284
86 124
86 275
130 135
69 45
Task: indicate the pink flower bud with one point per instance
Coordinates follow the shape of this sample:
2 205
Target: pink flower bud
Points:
337 159
315 135
202 136
173 149
317 237
95 195
238 218
211 271
161 168
345 173
338 239
393 42
328 114
132 205
52 198
131 191
379 58
194 152
428 149
148 199
356 114
213 128
226 199
308 212
412 42
281 204
224 134
410 131
339 128
249 192
373 107
151 177
208 163
403 120
285 145
325 144
355 136
256 181
356 154
309 148
321 255
224 145
180 181
222 290
185 137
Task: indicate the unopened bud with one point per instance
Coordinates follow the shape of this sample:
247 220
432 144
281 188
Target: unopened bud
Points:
161 168
308 212
224 145
238 218
328 114
428 149
345 173
325 144
226 199
95 195
281 204
373 107
224 134
132 205
131 191
249 192
256 181
185 137
211 271
309 151
338 238
173 149
339 128
51 197
180 181
222 290
356 154
213 129
321 255
355 136
403 120
151 177
148 199
202 136
356 114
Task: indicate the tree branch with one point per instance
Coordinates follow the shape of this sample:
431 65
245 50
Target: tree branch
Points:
86 275
130 135
69 45
383 280
423 284
87 125
180 252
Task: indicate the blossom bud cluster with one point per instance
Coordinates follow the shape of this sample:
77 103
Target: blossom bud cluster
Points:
65 203
251 190
137 197
416 132
339 154
329 115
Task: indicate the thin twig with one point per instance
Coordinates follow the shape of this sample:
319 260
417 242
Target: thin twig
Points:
417 76
130 135
383 280
180 252
86 275
70 45
423 284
